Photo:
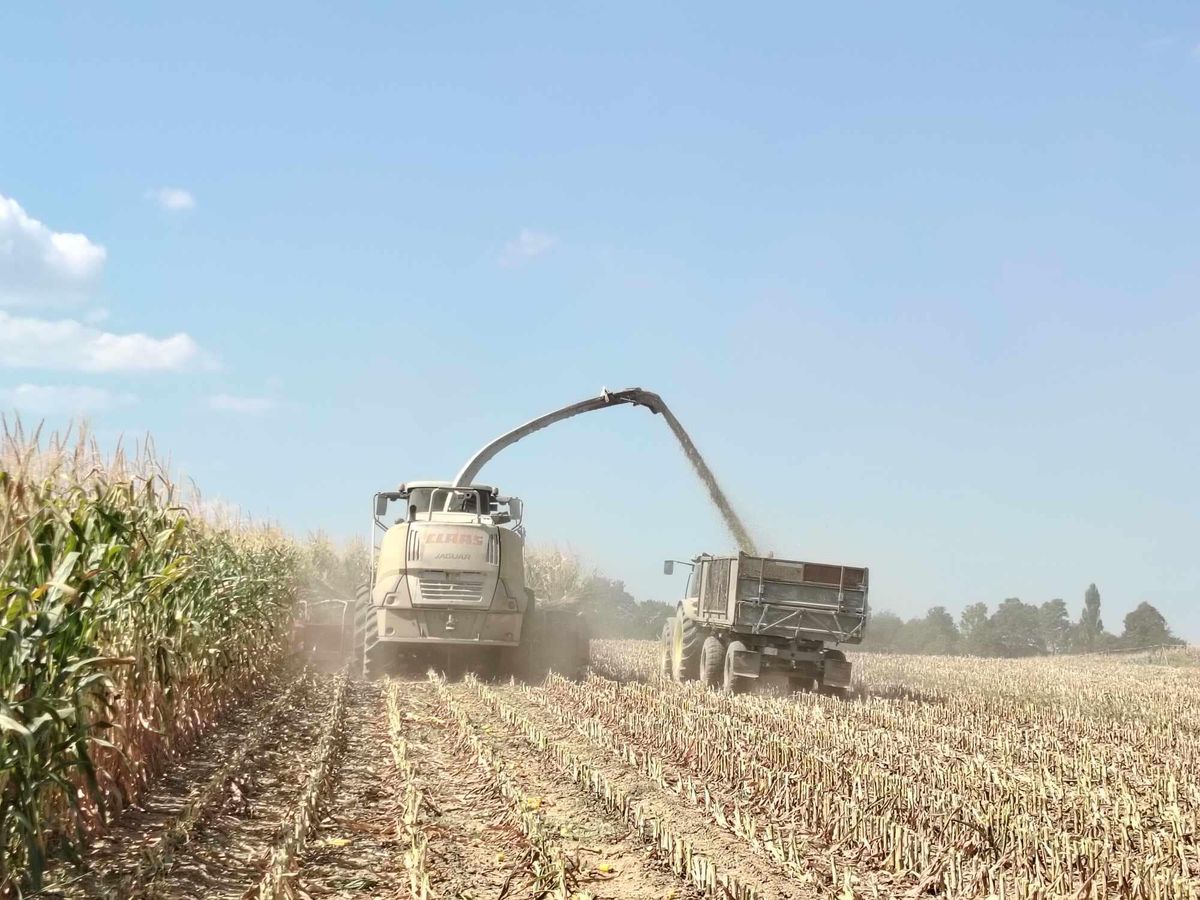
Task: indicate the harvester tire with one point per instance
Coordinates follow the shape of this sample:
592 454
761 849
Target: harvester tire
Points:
686 640
731 683
712 661
358 637
664 650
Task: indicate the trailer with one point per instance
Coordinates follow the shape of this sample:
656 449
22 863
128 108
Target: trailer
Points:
748 621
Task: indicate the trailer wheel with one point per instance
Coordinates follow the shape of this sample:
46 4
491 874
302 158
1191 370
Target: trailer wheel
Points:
685 648
735 684
829 690
712 662
664 649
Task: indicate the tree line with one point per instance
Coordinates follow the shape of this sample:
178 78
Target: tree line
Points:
1014 629
1017 629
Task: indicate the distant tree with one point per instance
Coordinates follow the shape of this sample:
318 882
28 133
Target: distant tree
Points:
933 633
1016 629
975 630
1088 636
941 634
911 638
883 628
1146 627
1055 626
613 612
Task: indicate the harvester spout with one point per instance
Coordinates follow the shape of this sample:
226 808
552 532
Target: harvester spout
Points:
636 397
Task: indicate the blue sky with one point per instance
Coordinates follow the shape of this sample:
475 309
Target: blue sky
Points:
921 280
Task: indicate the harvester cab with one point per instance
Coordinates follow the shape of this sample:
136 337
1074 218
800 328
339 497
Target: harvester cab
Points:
448 589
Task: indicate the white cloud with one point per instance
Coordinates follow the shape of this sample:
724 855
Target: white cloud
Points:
173 199
68 345
238 404
38 265
52 399
528 245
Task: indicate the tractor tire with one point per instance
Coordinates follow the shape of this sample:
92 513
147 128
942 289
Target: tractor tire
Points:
664 650
731 683
712 661
686 640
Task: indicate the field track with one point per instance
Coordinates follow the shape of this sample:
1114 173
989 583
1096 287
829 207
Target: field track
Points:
493 816
623 787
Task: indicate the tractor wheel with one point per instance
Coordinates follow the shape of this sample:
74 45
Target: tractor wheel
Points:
712 661
734 684
664 649
685 648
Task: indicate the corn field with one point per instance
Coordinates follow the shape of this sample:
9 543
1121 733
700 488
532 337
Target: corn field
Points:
937 777
127 625
159 740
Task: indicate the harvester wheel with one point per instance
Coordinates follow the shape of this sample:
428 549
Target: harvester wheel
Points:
664 649
734 684
359 622
376 661
685 648
712 661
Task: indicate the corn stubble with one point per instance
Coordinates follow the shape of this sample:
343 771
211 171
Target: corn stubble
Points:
126 625
1069 777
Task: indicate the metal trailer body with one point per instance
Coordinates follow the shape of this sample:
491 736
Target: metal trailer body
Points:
766 619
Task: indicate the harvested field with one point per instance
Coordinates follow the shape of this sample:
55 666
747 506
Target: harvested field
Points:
939 777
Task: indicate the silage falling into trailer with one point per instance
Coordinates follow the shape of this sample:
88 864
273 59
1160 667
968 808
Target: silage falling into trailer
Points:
637 397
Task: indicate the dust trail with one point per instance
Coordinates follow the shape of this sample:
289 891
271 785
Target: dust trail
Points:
732 522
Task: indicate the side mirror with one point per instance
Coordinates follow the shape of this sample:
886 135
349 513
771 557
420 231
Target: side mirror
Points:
515 508
381 505
669 567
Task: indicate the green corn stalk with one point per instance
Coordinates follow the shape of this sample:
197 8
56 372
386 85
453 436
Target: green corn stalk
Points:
126 624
